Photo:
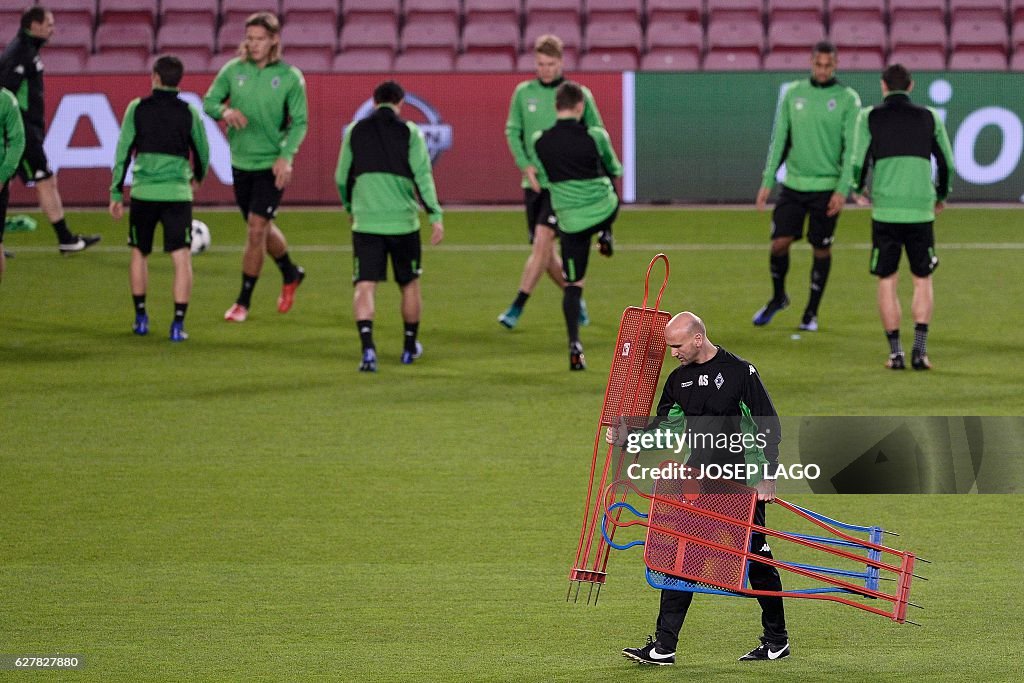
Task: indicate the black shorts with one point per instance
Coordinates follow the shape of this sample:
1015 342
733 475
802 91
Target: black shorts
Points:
576 249
176 217
5 196
539 211
791 209
889 239
370 257
33 165
255 192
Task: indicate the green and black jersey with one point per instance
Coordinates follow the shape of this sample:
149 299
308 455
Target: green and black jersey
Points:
813 134
574 164
273 99
899 138
382 165
532 110
13 135
21 72
163 132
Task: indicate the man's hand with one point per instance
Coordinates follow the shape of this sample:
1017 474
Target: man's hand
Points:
234 118
835 204
531 175
861 199
939 206
437 234
617 434
116 210
766 490
762 198
282 173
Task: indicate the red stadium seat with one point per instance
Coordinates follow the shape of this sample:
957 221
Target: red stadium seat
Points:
977 59
725 59
525 63
369 31
124 36
195 59
174 35
198 11
794 32
82 10
613 35
789 60
924 32
671 59
431 8
674 10
856 10
864 59
372 60
1017 37
310 59
674 34
240 10
735 9
426 60
436 31
605 60
75 31
1016 10
230 35
978 33
492 36
323 11
919 58
561 9
568 31
621 10
1017 62
851 33
65 60
787 9
300 34
495 10
480 61
901 10
128 11
362 7
977 9
219 59
738 33
118 62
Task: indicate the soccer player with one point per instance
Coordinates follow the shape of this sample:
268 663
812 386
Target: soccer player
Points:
712 382
533 109
263 102
812 134
382 165
21 72
574 162
12 137
900 139
162 132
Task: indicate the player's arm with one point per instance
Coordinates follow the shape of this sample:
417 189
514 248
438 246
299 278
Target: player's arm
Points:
778 142
200 146
541 175
591 115
216 97
14 131
860 160
762 411
11 76
850 117
123 155
514 128
298 118
419 162
943 153
604 147
341 172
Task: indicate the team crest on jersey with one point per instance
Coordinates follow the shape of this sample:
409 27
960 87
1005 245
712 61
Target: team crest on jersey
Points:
832 104
241 80
275 82
719 381
799 103
531 105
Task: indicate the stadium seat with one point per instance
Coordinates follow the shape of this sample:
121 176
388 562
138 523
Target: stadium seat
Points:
118 62
614 10
323 11
493 10
65 9
977 59
525 62
794 31
118 36
128 12
438 31
609 60
195 59
426 60
76 31
198 11
918 32
568 31
63 60
219 59
230 35
491 36
1017 37
735 33
548 9
478 61
300 34
735 9
790 9
903 10
415 9
369 31
856 10
1016 10
724 59
239 10
789 60
919 58
978 33
373 60
671 59
608 36
977 9
674 10
1017 62
864 59
363 7
310 59
853 33
174 35
670 33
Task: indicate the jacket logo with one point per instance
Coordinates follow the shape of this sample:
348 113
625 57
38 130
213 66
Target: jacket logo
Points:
719 381
799 103
686 384
832 104
275 82
241 80
702 381
752 370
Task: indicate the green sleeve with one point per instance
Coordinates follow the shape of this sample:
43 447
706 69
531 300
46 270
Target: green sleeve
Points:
201 146
419 161
591 116
299 114
123 156
220 89
849 132
344 164
531 150
777 145
14 132
861 145
514 131
607 152
943 159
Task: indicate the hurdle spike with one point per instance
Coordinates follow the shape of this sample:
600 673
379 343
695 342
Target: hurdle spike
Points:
598 596
915 605
590 593
908 621
921 559
891 533
568 593
576 598
923 578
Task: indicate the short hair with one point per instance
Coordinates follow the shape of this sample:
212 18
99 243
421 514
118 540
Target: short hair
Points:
825 47
549 45
388 92
896 77
568 95
33 15
169 70
268 21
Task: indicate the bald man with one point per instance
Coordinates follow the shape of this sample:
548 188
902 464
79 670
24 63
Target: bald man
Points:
714 383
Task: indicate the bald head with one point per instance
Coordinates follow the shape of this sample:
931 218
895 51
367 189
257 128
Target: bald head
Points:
686 336
686 323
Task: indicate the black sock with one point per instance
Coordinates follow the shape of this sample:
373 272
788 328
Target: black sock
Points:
778 267
179 311
819 276
288 270
140 303
411 329
571 308
63 234
365 328
520 301
894 341
921 337
248 284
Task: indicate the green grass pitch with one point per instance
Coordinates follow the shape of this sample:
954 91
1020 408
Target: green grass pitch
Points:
247 506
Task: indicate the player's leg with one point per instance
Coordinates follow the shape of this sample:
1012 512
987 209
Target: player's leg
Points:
541 225
5 195
407 264
177 221
820 233
886 245
142 220
787 225
292 274
764 577
251 197
661 651
369 266
920 244
575 256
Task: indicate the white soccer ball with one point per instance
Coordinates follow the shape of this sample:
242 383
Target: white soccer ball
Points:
200 237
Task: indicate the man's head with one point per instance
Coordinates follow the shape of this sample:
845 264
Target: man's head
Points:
262 42
388 92
38 21
569 99
823 61
547 52
896 77
167 71
687 339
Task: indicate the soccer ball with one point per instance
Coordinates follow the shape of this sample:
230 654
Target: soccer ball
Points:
200 237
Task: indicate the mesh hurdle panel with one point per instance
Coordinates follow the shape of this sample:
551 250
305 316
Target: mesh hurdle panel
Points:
636 365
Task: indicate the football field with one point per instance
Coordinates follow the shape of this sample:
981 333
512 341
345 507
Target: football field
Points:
247 506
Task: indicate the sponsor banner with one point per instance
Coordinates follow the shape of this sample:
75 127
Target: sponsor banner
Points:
463 117
703 137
